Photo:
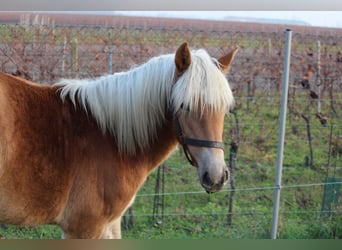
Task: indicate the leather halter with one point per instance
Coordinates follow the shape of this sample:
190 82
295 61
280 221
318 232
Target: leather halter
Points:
184 141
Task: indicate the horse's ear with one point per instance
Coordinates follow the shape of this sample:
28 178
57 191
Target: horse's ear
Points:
182 58
226 61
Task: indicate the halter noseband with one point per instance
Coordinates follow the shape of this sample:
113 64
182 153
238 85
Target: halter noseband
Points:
184 141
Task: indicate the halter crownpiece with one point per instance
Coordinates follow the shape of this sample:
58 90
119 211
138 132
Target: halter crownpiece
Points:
184 141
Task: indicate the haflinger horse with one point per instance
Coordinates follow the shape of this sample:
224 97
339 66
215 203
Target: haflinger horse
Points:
75 153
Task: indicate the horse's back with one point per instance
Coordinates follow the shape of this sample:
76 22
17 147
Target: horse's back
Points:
32 178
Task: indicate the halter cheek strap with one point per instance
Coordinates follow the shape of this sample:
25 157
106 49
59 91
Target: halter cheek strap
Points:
184 141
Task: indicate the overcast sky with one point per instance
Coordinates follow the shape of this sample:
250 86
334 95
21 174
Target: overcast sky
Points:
314 18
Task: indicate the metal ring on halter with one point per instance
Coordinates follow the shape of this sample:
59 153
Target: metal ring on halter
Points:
184 141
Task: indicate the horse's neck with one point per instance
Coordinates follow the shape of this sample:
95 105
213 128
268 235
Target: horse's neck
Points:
164 144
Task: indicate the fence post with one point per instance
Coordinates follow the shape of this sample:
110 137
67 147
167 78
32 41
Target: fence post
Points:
160 182
232 161
110 62
318 76
269 53
285 84
74 58
63 56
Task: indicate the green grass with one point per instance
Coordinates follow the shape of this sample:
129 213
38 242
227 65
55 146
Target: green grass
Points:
33 232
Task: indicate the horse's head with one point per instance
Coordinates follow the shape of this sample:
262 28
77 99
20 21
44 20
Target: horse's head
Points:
201 97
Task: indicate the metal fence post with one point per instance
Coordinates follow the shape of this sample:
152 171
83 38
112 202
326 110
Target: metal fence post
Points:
318 84
63 56
110 62
285 84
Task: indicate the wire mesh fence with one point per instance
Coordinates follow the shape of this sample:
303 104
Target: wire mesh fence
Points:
313 147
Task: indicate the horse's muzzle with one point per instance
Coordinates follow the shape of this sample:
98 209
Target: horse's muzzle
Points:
212 186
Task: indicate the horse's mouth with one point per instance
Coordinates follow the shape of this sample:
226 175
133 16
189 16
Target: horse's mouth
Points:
212 189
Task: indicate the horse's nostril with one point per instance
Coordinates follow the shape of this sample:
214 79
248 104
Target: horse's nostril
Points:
214 185
226 175
206 180
222 180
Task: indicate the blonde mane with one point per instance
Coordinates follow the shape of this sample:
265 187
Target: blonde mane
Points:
132 105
